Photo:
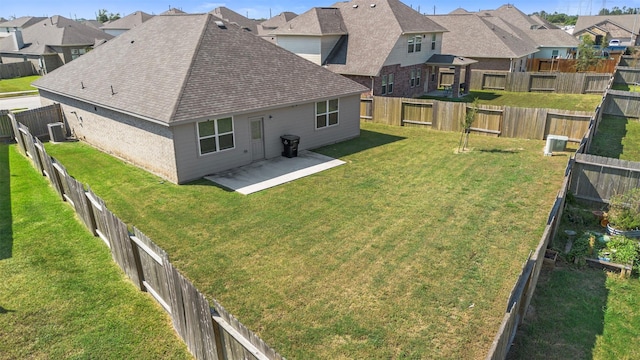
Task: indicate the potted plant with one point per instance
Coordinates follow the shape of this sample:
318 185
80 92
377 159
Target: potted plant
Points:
624 214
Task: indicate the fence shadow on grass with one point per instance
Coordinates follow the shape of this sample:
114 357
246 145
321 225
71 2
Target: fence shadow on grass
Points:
6 220
567 331
608 142
367 140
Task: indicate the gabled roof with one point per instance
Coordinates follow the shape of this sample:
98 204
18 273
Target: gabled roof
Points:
278 20
483 37
511 15
543 23
318 21
92 23
203 71
54 31
372 29
233 17
21 22
628 22
128 22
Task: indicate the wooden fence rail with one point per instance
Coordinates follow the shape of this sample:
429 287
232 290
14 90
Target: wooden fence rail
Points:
503 121
209 332
558 82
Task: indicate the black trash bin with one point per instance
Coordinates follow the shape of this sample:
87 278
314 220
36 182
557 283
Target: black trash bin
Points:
290 143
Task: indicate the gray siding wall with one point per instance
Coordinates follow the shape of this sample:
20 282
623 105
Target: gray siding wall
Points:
143 143
296 120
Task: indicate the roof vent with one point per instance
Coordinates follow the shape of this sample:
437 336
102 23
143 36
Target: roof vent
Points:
220 24
355 6
372 5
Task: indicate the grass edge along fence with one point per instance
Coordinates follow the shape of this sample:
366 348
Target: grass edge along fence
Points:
523 290
209 332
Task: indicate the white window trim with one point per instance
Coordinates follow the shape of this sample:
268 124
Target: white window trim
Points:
327 113
216 135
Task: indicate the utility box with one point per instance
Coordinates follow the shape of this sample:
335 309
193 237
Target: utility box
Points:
555 143
56 132
290 143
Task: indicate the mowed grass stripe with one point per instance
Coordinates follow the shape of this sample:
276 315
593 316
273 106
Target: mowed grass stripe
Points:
61 294
379 258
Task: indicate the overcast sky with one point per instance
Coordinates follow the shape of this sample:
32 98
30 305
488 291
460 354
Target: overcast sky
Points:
264 8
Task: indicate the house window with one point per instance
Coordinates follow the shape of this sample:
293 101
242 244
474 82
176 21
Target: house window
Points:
215 135
414 43
412 80
554 54
433 41
384 84
326 113
75 53
418 72
390 84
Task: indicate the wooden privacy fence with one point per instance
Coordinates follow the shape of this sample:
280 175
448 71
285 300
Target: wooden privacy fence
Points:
629 61
603 66
209 332
36 120
622 103
523 290
503 121
627 75
17 69
558 82
598 178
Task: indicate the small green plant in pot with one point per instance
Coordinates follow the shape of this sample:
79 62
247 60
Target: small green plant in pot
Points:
624 213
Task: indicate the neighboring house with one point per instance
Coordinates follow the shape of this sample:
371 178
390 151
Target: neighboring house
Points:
220 98
266 28
551 41
236 19
382 44
495 44
117 27
173 11
91 23
50 43
21 23
602 28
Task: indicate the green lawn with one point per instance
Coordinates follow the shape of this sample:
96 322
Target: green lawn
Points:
61 294
409 250
578 102
617 137
17 84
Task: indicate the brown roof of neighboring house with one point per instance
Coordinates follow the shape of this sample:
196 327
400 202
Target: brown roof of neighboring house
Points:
278 20
233 17
553 38
54 31
173 11
128 22
474 36
372 30
318 21
543 23
511 15
21 22
630 22
203 71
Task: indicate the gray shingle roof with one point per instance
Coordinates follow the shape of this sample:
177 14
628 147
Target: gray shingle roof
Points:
202 71
21 22
372 31
54 31
629 22
128 22
482 37
233 17
173 11
553 38
317 21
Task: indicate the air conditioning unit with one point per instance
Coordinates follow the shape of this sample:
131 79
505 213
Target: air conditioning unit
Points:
56 132
555 143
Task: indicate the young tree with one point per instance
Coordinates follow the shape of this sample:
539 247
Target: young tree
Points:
469 117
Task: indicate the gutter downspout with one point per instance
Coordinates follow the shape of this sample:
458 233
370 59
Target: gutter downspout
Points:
510 64
372 82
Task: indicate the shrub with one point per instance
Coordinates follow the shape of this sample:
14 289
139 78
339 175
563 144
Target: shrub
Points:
624 210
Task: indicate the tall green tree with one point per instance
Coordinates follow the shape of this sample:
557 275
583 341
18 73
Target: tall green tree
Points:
587 54
103 17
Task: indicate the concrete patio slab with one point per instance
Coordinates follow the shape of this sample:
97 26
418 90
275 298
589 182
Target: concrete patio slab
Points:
273 172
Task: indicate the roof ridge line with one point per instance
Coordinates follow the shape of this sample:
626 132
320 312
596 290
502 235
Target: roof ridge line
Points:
191 63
